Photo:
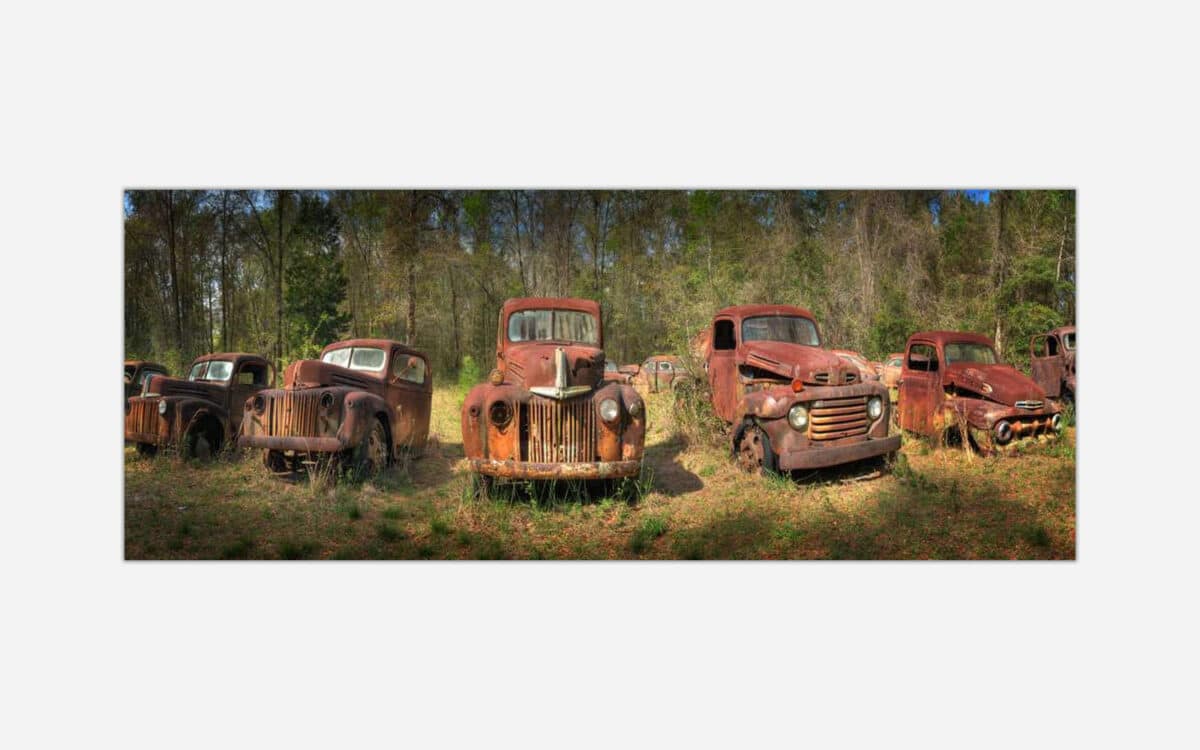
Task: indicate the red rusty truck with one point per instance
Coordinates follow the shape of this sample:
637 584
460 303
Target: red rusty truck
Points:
791 404
364 403
954 387
137 372
199 414
1052 362
546 410
661 372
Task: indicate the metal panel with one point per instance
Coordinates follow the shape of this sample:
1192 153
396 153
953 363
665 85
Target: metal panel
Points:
560 431
294 414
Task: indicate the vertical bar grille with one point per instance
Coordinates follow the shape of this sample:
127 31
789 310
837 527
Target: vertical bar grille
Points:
294 414
560 432
143 417
835 418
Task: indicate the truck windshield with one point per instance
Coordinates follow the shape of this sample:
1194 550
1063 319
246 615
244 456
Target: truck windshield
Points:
980 354
216 370
553 325
357 358
1069 341
792 330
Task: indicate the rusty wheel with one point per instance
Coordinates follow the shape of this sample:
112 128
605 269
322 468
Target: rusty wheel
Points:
754 453
275 462
146 449
372 454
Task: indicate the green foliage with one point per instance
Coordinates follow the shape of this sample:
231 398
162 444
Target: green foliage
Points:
469 373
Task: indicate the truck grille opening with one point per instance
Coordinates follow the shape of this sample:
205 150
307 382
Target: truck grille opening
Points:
1029 404
294 414
558 432
836 418
143 417
851 377
821 378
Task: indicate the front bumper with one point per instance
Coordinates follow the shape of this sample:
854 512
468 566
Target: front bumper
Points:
298 444
821 456
530 470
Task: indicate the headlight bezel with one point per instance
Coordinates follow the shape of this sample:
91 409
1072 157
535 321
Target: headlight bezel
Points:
797 417
874 408
162 408
500 413
608 409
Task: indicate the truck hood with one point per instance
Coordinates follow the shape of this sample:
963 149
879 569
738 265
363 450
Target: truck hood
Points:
1003 384
182 388
809 364
313 373
554 370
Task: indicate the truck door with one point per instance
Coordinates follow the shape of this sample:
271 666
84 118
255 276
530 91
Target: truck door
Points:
410 396
722 368
920 389
1046 363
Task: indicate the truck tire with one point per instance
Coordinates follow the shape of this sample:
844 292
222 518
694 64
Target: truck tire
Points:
371 455
754 453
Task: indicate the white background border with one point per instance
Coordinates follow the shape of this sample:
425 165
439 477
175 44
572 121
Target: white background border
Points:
97 651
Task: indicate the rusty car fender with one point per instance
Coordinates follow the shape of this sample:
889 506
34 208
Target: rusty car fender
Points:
185 413
360 408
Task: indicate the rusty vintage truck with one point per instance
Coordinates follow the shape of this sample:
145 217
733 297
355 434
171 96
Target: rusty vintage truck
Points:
362 403
951 380
1052 362
137 372
661 372
546 410
791 404
198 414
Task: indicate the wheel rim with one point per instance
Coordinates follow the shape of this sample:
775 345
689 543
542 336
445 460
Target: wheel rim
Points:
750 451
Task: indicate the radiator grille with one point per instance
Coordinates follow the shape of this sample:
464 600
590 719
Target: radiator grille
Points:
1029 404
143 417
835 418
560 432
294 414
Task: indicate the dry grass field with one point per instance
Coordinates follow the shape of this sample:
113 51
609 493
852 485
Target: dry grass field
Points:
692 503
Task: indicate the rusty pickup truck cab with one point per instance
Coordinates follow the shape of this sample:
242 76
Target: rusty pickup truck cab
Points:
364 401
201 413
950 379
1052 362
137 372
792 404
546 411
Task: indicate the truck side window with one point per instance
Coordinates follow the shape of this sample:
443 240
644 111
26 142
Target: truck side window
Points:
723 335
409 367
252 374
922 358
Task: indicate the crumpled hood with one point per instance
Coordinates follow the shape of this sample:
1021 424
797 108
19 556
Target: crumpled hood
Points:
313 373
811 365
535 365
183 388
1003 384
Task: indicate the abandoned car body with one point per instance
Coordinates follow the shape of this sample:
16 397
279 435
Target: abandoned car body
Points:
661 372
546 411
1052 362
364 400
619 374
792 404
951 379
137 372
198 414
867 370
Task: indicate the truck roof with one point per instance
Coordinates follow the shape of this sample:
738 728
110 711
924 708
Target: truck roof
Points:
550 303
751 311
942 338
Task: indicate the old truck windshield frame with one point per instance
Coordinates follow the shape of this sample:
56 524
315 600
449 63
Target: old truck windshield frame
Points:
553 325
791 329
368 358
980 354
1069 341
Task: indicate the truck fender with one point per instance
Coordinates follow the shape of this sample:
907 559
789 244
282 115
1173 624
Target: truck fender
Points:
361 408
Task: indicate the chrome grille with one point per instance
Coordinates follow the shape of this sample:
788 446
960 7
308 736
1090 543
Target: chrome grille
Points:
1029 404
294 414
834 418
559 431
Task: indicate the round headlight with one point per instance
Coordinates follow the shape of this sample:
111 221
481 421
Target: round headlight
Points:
162 407
499 413
260 404
1056 423
1003 432
798 417
327 400
609 411
874 407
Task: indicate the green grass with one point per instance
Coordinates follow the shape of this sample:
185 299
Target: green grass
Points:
691 502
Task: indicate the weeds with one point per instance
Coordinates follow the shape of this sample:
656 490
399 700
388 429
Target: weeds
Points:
388 532
297 550
650 529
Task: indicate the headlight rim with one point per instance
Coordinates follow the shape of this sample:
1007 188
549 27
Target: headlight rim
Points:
795 409
615 410
162 408
875 407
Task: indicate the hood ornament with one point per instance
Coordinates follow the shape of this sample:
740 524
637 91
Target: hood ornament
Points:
560 390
